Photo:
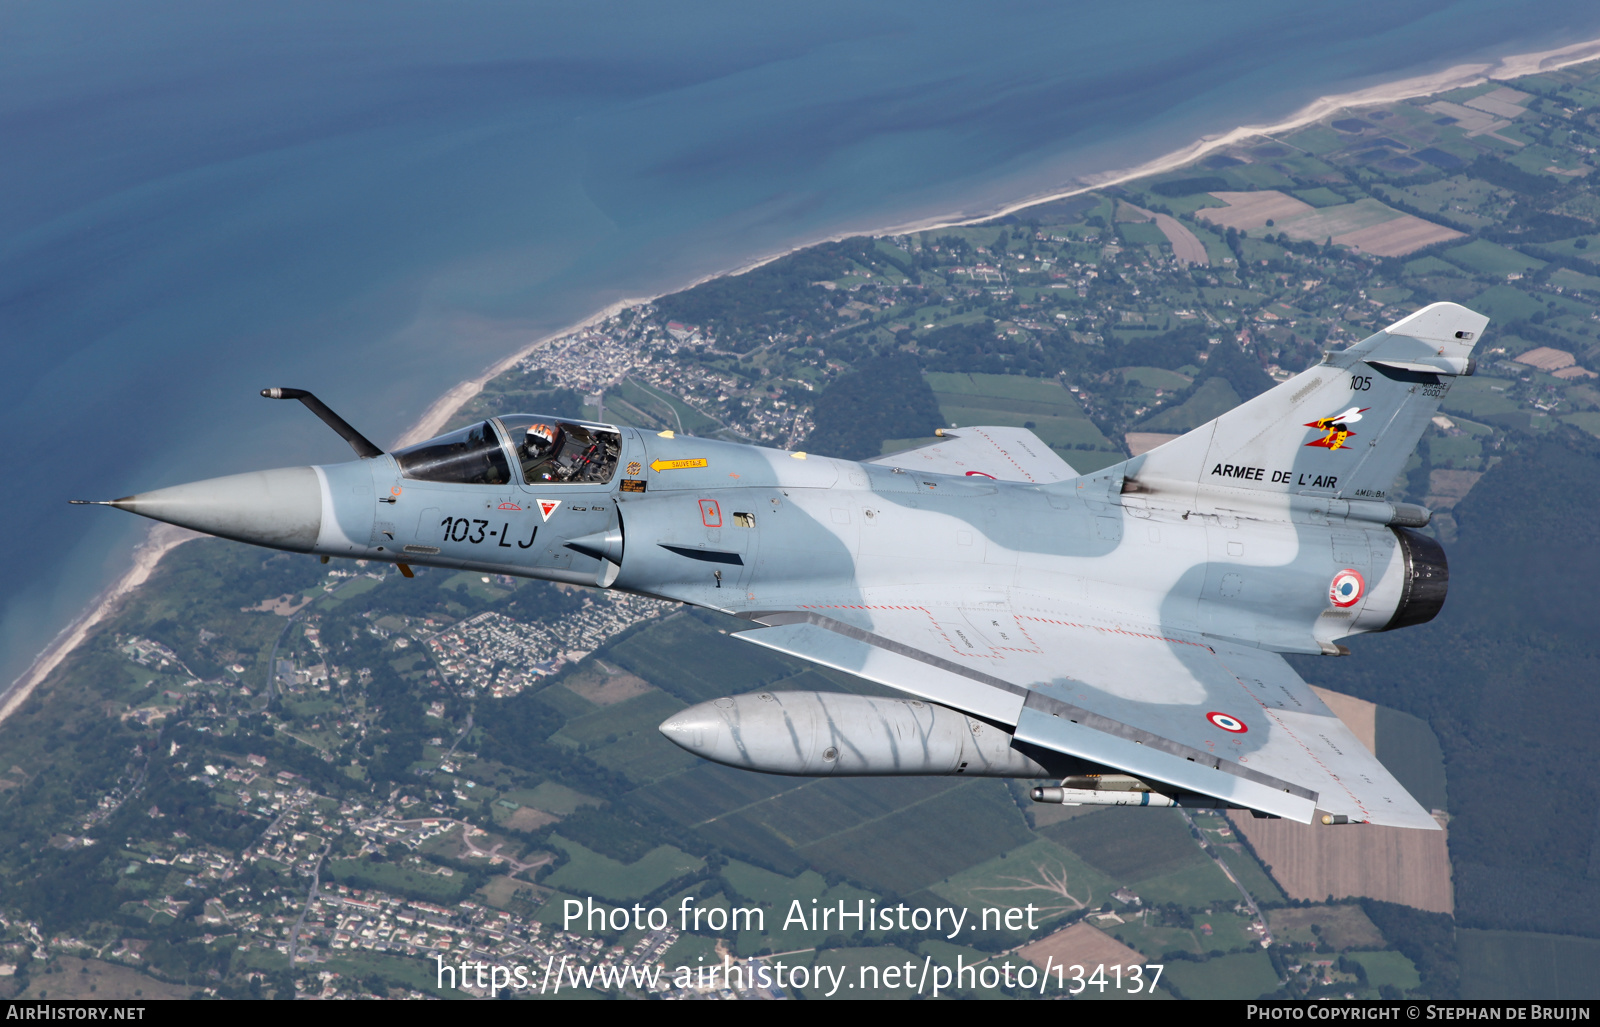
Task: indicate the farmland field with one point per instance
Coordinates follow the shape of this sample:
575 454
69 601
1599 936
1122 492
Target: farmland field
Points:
1340 926
589 873
915 846
1248 975
1055 413
1131 844
1040 872
1524 965
1485 257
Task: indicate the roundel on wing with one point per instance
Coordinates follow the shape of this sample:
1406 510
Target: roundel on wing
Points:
1233 725
1347 588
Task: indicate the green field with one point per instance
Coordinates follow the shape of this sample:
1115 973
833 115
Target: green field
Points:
688 950
1389 968
1479 398
1229 931
1131 844
1570 280
666 408
1217 251
1319 197
1327 222
1246 975
1462 452
1141 233
1318 139
711 791
473 583
411 972
1049 393
1339 926
1588 420
1251 874
361 873
1505 303
1202 884
695 662
569 704
1211 400
1431 266
551 797
1055 414
918 844
751 885
589 873
1041 873
644 758
1524 965
1259 176
634 716
804 812
1483 257
1156 378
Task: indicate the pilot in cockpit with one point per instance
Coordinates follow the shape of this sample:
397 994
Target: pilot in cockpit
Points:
541 446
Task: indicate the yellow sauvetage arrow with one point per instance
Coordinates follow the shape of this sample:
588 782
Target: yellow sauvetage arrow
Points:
677 465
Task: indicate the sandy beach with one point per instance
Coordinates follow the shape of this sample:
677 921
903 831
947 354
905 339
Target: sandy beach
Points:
163 538
1457 77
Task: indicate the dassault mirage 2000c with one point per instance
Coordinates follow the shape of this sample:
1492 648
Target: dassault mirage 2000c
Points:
1120 633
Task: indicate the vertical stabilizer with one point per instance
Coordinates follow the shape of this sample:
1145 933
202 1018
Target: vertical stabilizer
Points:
1343 429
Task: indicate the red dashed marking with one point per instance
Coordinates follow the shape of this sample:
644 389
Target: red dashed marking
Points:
1308 750
1020 469
1117 631
931 619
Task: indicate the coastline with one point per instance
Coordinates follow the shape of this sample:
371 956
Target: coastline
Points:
163 538
1455 77
158 542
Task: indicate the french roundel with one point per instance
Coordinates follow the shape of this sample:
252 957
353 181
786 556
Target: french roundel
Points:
1347 588
1227 723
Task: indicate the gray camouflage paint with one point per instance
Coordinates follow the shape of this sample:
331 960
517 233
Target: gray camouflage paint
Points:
1229 535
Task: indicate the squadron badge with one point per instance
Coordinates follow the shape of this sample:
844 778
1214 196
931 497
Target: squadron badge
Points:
1336 428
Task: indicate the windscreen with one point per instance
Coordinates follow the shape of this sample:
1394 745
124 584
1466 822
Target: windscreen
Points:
470 456
555 452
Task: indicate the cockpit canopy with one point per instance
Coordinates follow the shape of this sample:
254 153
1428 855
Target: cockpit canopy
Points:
543 451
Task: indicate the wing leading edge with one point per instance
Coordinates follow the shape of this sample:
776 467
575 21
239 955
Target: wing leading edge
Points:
990 451
1226 721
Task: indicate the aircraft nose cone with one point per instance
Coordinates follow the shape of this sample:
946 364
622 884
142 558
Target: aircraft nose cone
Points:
281 508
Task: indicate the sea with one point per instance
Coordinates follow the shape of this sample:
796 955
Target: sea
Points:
378 200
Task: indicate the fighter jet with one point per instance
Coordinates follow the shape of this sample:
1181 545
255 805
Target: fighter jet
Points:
1120 634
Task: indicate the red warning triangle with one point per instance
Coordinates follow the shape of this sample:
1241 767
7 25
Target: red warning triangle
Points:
548 507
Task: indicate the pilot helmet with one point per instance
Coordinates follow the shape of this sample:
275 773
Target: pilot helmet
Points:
542 438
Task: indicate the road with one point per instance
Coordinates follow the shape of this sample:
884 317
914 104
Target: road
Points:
1249 900
311 896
